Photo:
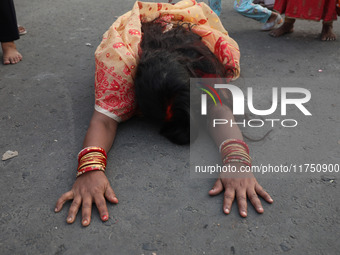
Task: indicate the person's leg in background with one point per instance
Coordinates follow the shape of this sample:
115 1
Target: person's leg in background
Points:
9 32
286 28
327 33
255 11
309 11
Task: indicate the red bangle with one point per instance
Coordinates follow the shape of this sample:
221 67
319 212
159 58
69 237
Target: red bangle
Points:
90 149
90 168
237 161
236 157
230 141
91 159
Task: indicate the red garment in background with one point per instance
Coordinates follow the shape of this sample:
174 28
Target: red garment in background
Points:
308 9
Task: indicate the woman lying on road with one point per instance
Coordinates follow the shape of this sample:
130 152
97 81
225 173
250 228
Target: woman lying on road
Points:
170 44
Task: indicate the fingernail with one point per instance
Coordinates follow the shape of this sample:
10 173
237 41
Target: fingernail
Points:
227 210
105 218
85 222
260 209
56 209
244 213
69 219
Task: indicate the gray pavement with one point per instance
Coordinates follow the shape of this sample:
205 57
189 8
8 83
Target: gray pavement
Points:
46 103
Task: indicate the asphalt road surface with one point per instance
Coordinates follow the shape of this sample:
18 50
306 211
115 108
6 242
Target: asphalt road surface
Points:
46 103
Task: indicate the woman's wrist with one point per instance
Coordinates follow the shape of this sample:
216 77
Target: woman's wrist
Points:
91 158
235 151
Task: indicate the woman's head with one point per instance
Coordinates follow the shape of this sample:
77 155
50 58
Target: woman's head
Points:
162 91
162 81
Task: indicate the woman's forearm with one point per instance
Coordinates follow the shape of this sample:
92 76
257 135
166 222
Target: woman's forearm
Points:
222 132
101 132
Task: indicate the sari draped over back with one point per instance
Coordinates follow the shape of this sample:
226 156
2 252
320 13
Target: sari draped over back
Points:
117 56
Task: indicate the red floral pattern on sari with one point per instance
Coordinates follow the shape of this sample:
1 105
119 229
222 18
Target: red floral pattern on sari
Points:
223 53
159 6
118 45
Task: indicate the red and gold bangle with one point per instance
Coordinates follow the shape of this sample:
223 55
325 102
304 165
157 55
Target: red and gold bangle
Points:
90 168
85 159
233 141
237 161
92 162
91 159
240 158
241 153
92 154
233 146
235 151
91 149
235 156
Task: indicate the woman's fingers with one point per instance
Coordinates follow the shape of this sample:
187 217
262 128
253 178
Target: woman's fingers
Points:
102 208
89 188
86 211
241 197
259 190
74 208
255 201
243 189
61 201
229 196
110 195
217 189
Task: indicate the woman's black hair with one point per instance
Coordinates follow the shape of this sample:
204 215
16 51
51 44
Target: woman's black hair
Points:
162 83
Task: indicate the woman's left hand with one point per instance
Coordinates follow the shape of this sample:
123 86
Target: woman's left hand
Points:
241 187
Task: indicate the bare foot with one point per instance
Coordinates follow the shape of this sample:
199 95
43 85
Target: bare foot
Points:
286 28
22 30
10 53
274 20
272 17
327 33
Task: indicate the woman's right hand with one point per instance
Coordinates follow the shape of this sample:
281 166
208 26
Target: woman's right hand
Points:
91 187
